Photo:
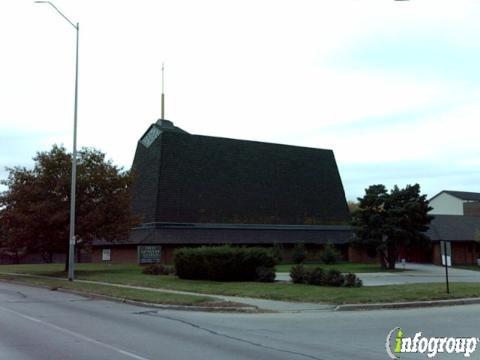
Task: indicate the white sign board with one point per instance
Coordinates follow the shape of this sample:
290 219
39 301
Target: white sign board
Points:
106 254
449 260
446 245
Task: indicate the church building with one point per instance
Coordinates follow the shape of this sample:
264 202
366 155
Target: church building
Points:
192 190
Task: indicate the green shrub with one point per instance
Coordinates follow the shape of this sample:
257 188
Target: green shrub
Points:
298 274
351 280
333 277
222 263
330 255
265 274
316 276
167 270
277 251
158 269
187 265
299 253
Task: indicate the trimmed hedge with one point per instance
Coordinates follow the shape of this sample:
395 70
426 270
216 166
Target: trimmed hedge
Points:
318 276
265 274
224 263
158 269
334 277
298 274
351 280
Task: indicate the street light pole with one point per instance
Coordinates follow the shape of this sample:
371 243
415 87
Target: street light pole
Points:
71 239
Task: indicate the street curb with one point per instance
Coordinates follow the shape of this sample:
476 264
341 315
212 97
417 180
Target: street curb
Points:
253 308
406 305
246 309
250 309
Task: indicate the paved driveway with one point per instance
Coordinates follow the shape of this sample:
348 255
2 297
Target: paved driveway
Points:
418 273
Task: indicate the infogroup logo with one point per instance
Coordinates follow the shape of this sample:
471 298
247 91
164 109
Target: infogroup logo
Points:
397 343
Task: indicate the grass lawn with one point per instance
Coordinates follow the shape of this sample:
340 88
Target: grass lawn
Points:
342 267
131 275
130 294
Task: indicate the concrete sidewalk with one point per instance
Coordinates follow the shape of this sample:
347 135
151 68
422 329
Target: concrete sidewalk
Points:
417 274
262 304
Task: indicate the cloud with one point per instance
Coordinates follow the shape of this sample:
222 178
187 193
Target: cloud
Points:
425 55
392 87
438 150
18 147
356 178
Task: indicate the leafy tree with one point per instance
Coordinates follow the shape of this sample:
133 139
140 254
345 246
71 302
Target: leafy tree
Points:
387 221
352 206
10 246
277 251
330 254
34 211
299 253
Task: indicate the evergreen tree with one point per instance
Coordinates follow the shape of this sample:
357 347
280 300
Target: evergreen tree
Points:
387 221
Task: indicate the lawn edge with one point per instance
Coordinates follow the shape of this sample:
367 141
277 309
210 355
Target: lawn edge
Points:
247 308
408 304
92 295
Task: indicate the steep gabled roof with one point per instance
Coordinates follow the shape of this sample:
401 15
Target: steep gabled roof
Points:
454 228
462 195
186 178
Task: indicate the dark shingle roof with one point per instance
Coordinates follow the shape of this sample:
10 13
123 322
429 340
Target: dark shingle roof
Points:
188 178
188 234
454 228
463 195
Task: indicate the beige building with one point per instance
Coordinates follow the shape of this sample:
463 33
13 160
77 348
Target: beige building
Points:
449 202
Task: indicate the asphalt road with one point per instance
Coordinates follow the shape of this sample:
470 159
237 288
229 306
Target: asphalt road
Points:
42 324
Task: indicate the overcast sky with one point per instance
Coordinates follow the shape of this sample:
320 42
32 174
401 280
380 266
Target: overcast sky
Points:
393 87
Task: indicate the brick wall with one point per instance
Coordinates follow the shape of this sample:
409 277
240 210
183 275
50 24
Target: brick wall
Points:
359 255
463 253
471 208
437 257
128 254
